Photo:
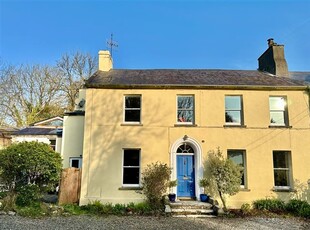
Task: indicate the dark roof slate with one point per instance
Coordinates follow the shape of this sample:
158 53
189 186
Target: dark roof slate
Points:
123 78
301 76
36 131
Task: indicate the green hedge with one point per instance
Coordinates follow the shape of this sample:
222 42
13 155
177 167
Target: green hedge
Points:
299 208
296 207
272 205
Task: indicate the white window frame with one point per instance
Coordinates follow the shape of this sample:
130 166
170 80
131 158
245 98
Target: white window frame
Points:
123 157
240 111
193 110
124 109
289 169
75 158
245 185
285 112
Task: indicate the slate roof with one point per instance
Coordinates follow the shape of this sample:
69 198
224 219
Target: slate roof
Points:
301 76
36 131
189 78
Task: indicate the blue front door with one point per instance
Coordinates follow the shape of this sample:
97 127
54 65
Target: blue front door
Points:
186 176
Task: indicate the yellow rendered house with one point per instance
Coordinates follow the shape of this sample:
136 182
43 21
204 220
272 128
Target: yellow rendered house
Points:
259 118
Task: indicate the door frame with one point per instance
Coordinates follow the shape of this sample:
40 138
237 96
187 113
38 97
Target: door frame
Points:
197 161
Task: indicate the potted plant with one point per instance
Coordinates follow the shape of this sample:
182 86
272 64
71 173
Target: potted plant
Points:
172 195
204 183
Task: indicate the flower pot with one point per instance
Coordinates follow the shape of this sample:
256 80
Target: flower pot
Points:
171 197
204 198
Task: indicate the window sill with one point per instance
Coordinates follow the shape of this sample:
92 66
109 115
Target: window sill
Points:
283 190
185 125
234 126
131 124
130 188
245 190
280 126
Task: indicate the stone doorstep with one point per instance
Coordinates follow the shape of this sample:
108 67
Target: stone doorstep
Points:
191 205
194 216
185 210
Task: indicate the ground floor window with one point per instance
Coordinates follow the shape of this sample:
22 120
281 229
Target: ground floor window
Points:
238 157
282 168
131 167
76 162
53 144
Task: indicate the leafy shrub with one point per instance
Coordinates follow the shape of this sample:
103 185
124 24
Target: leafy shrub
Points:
73 209
8 202
29 163
155 182
119 209
27 194
305 212
107 209
35 209
95 207
142 208
299 208
245 208
3 194
272 205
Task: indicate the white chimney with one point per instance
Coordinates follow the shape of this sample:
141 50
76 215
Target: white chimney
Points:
105 60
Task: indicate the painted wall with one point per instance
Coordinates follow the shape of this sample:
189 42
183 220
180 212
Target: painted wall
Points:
73 134
106 136
42 138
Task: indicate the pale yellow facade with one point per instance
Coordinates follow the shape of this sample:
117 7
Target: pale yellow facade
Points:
158 135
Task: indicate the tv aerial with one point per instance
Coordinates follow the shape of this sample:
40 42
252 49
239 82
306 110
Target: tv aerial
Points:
111 44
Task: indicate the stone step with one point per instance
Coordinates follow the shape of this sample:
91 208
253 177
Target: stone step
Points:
191 205
194 216
191 211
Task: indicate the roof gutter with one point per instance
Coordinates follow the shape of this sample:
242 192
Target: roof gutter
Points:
215 87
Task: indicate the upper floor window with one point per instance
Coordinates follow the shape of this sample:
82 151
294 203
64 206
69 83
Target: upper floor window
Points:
281 168
278 111
131 167
185 112
132 108
238 157
233 110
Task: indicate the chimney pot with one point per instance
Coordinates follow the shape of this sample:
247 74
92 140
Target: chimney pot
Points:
270 42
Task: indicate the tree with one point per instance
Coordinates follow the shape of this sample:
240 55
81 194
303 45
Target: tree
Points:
29 94
30 163
224 175
155 182
75 69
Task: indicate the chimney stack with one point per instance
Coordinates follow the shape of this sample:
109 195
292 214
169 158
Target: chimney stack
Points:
273 60
105 60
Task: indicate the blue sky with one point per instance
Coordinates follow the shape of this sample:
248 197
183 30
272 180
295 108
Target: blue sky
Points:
156 34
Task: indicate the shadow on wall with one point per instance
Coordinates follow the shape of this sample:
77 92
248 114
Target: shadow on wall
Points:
301 192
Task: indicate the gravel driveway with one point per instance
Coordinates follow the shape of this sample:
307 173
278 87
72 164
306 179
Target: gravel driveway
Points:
137 222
